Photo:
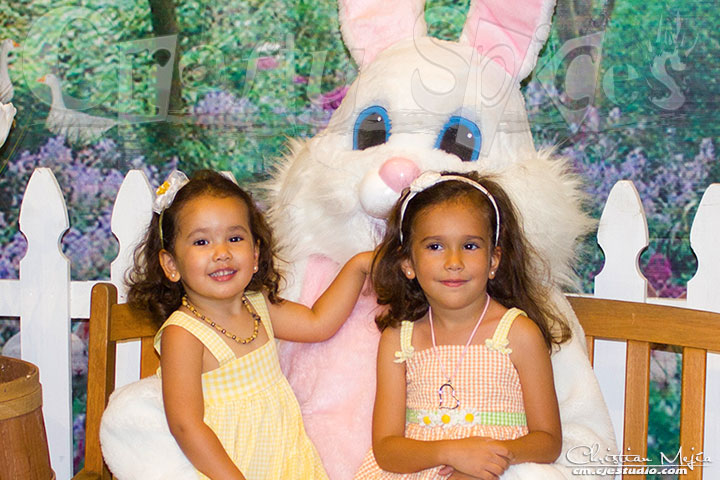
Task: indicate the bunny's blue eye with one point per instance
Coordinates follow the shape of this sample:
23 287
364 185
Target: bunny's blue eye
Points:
460 137
372 127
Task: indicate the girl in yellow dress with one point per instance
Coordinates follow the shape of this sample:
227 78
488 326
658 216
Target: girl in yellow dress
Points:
207 265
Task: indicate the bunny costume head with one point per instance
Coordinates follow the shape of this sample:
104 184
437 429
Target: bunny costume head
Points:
421 104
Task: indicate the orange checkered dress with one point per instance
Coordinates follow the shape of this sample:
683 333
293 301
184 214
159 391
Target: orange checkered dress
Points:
250 406
487 386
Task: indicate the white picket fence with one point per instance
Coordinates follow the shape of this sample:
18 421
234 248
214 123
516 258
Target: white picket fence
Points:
45 299
622 235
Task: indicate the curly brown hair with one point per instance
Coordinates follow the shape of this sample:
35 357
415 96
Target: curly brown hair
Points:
521 280
150 289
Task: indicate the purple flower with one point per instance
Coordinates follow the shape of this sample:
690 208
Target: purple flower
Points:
10 256
658 270
332 100
659 274
89 179
672 291
536 95
321 107
79 437
669 179
223 108
267 63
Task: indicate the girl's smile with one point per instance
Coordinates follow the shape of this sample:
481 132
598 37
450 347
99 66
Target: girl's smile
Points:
223 275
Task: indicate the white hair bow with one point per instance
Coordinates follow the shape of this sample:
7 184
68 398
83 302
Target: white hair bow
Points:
165 194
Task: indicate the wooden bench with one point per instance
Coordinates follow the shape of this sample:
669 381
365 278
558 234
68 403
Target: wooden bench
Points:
110 322
640 325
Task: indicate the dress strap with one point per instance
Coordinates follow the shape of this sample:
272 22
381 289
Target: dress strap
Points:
206 334
406 349
499 340
257 300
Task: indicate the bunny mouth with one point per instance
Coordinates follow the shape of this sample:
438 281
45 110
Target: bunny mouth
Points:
380 189
376 197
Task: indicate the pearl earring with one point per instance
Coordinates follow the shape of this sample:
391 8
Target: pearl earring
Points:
255 268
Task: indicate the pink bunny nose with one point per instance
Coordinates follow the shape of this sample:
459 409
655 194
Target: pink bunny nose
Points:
398 173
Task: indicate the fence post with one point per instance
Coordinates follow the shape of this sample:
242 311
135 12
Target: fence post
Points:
131 216
702 294
45 310
622 235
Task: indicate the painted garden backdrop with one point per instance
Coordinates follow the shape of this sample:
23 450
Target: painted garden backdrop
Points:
626 88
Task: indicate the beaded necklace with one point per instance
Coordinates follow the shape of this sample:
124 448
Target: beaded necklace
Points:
453 402
256 320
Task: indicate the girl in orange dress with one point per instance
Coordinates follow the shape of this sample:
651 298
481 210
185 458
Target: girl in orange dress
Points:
464 379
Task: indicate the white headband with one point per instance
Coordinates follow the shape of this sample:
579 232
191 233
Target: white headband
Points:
428 179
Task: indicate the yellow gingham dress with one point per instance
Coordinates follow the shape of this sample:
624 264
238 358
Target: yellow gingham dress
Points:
250 406
487 386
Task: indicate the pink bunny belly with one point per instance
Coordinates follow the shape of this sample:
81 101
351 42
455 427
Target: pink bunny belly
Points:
334 382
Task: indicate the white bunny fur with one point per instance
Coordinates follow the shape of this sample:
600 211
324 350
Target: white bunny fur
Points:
325 199
135 437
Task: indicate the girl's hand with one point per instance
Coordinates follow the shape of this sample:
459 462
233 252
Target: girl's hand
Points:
462 476
298 323
453 475
446 470
478 457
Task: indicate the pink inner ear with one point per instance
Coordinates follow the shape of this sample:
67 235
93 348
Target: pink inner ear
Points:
508 32
370 26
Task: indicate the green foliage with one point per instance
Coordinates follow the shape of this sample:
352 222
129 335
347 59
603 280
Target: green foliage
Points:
664 415
445 18
88 43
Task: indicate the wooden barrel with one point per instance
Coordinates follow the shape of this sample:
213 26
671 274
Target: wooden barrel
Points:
24 452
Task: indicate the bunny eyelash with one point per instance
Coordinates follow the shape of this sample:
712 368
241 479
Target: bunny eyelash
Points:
429 179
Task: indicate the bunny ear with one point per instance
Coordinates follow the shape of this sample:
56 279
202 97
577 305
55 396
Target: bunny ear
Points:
370 26
511 33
